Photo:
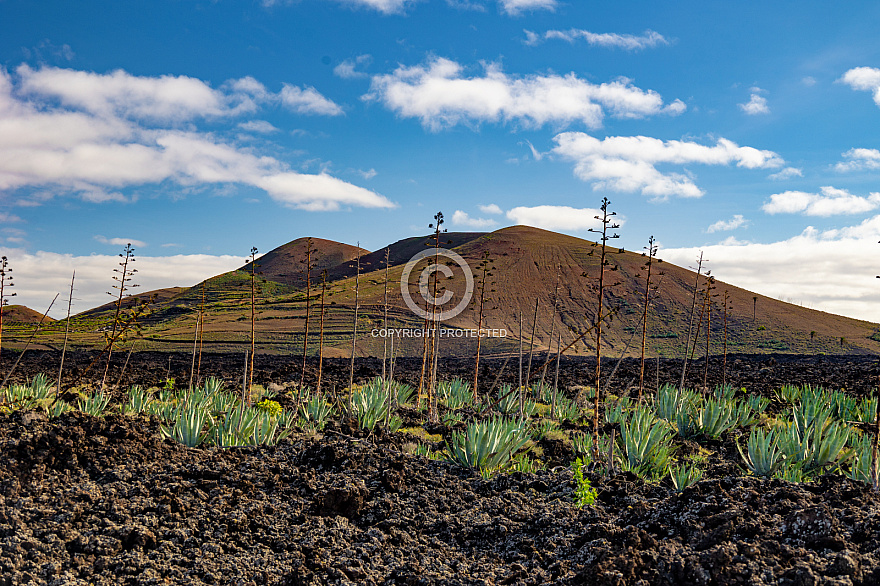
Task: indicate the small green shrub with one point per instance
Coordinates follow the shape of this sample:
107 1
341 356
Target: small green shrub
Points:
584 493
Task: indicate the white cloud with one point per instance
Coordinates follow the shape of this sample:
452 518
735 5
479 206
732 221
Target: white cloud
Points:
648 40
347 69
491 209
441 95
165 98
517 7
831 271
830 202
42 274
737 221
809 81
859 159
368 174
460 218
383 6
562 218
7 218
757 104
628 163
864 79
120 241
308 101
786 173
96 153
259 126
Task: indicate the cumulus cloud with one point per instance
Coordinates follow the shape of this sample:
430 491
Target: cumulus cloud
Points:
737 221
517 7
864 79
441 95
859 160
460 218
42 274
830 270
308 101
491 209
120 241
562 218
348 68
830 202
628 163
258 126
786 173
94 147
757 103
120 94
648 40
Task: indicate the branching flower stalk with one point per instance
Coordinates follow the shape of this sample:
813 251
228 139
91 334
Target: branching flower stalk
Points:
710 285
727 309
432 385
309 267
321 334
652 253
385 316
250 377
485 270
552 323
532 343
66 335
123 278
357 292
607 224
5 283
687 345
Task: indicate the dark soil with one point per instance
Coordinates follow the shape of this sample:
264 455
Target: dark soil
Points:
757 373
107 501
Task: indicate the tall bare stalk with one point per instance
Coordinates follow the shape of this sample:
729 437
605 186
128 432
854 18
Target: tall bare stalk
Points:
607 224
652 253
123 278
532 343
710 285
552 323
727 308
26 346
435 345
485 271
309 267
385 315
201 333
66 335
357 292
5 282
250 373
687 345
321 335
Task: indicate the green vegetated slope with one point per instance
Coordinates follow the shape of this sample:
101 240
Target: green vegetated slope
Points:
528 264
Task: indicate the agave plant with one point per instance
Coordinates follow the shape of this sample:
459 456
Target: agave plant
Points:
488 446
369 404
189 425
94 404
137 400
867 410
685 475
509 401
861 467
567 410
315 412
668 402
454 394
764 455
646 444
715 418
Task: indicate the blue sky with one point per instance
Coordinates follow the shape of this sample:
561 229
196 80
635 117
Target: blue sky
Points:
196 130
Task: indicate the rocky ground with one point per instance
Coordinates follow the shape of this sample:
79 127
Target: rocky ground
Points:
107 501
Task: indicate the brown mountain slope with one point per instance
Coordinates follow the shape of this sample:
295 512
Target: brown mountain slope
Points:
528 262
22 314
161 297
287 263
